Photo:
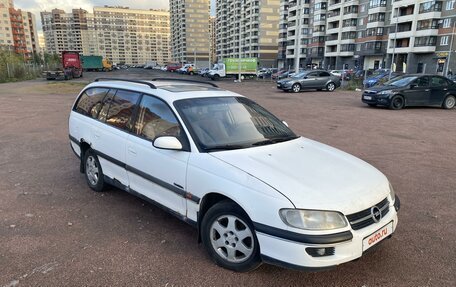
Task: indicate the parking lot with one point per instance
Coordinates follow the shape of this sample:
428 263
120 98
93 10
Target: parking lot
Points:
55 231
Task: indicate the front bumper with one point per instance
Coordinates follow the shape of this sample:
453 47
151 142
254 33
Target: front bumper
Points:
376 99
344 246
284 87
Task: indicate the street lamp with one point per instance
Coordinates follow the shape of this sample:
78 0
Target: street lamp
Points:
451 48
240 47
394 46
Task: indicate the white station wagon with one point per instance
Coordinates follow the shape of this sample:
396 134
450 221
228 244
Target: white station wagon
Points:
255 191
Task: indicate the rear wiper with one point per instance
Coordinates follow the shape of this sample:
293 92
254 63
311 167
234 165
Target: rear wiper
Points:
223 147
274 140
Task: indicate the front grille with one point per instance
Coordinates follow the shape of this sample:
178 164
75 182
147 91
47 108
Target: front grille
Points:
364 218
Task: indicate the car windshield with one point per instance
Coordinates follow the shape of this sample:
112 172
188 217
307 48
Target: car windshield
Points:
226 123
400 81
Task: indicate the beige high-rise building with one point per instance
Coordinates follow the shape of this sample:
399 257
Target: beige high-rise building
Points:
133 36
123 35
190 40
254 23
18 30
6 36
213 37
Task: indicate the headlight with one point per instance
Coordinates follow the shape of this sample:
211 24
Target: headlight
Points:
312 219
387 92
392 194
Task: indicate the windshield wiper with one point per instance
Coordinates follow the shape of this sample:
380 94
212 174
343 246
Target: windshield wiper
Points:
223 147
274 140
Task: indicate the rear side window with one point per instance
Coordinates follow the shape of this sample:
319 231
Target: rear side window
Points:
121 109
324 74
90 102
105 105
437 82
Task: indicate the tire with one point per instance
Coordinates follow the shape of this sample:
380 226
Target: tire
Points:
330 87
397 103
449 102
221 231
93 172
216 77
296 88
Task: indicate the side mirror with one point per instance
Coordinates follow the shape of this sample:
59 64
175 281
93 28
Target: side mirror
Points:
285 123
167 142
412 86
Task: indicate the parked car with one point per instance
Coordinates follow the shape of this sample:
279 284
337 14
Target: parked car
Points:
255 191
312 79
413 90
347 74
280 75
203 72
173 67
380 76
266 73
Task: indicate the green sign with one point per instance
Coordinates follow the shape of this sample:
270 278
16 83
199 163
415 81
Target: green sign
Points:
248 65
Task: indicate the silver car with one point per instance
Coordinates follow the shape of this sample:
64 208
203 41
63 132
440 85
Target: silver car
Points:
312 79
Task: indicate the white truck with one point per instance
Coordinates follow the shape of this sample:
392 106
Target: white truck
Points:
230 68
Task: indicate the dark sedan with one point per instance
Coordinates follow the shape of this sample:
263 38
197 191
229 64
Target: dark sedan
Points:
413 90
312 79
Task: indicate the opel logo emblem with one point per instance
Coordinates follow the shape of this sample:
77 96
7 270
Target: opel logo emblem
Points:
376 214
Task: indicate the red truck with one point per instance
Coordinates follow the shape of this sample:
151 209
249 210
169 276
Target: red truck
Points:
71 67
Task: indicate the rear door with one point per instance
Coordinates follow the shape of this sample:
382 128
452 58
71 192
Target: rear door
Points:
156 173
323 78
109 135
420 93
439 89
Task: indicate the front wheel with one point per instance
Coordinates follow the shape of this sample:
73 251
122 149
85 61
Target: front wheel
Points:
93 172
397 103
229 237
449 102
296 88
330 87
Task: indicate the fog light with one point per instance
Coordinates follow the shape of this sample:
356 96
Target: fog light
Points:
320 252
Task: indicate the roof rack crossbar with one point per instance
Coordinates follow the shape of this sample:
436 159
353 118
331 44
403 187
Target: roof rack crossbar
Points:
152 86
185 80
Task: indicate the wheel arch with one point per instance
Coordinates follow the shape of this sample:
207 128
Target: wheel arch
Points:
207 202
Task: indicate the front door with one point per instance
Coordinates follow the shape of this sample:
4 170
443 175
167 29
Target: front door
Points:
155 173
419 94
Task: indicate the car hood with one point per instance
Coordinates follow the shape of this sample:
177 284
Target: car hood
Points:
382 88
312 175
287 79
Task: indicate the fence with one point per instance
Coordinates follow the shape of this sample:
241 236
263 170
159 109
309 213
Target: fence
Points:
12 72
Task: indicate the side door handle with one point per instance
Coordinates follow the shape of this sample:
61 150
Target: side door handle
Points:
131 150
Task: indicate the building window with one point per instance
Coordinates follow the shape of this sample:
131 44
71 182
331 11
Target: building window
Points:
450 5
446 23
444 41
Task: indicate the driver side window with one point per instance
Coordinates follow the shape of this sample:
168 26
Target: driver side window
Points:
156 119
312 75
422 82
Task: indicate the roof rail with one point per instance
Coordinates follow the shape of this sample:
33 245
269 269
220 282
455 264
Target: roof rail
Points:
185 80
152 86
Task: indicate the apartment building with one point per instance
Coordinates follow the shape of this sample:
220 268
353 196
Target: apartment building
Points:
336 34
18 30
133 36
424 34
120 34
250 28
190 40
63 31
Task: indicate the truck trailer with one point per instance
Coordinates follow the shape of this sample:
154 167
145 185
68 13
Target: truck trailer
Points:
71 67
230 68
96 63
